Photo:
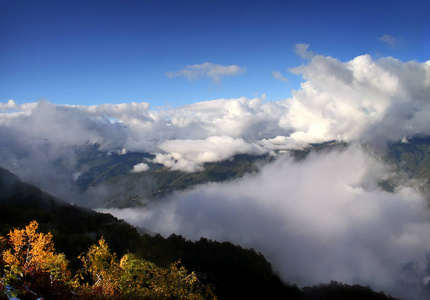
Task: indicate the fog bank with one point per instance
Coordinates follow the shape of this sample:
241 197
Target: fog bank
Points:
318 220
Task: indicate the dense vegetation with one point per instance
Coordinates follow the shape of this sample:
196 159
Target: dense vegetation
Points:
31 268
411 157
74 229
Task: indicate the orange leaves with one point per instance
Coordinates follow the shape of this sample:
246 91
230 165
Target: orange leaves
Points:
30 250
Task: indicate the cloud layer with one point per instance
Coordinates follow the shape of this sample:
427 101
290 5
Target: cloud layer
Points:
362 100
319 220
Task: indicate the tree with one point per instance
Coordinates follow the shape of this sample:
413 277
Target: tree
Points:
3 243
133 278
143 279
103 268
31 265
32 269
32 251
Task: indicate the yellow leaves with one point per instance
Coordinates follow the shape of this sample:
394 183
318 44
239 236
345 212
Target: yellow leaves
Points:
3 243
30 250
10 259
102 266
136 278
32 253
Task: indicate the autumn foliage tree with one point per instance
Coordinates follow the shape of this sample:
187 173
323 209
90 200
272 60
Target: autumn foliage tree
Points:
30 263
133 278
30 268
32 251
102 268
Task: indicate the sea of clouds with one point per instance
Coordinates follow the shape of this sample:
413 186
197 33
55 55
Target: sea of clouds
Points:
321 219
318 220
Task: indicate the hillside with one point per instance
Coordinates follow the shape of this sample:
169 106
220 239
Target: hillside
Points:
412 157
230 268
236 273
105 179
108 176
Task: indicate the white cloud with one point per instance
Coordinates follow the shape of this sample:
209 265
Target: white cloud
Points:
283 143
189 155
139 168
278 76
361 99
387 39
8 105
207 69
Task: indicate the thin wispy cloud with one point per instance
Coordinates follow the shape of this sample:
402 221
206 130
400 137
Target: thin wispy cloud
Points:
208 70
388 39
278 76
302 51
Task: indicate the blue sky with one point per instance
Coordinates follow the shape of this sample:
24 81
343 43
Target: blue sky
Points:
93 52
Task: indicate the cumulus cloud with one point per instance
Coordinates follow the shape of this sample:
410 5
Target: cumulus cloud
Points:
318 220
387 39
8 105
11 105
278 76
361 99
139 168
207 69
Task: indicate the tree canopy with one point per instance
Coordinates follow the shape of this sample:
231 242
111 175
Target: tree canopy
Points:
31 268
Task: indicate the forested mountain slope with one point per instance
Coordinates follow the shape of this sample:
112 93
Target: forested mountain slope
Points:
109 176
412 157
106 179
